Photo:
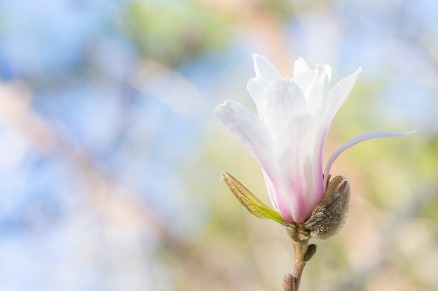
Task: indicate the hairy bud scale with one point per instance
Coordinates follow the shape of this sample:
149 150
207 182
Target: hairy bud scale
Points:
329 215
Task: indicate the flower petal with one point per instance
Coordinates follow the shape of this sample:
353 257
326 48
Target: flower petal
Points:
317 91
256 86
357 139
300 66
254 135
303 80
264 68
328 70
337 96
294 152
318 156
282 100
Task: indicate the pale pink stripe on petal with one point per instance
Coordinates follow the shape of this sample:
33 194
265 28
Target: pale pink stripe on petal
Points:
294 150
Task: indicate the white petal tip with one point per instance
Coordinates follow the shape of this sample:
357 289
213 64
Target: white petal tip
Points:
300 66
256 56
264 68
225 104
218 110
260 60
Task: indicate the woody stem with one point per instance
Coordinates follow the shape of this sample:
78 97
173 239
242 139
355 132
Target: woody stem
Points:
303 253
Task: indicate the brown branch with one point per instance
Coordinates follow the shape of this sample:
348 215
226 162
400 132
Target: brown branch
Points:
303 253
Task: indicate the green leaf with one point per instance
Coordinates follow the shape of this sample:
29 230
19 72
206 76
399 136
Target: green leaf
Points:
251 202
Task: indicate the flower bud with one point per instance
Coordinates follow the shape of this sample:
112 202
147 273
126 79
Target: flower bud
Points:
328 216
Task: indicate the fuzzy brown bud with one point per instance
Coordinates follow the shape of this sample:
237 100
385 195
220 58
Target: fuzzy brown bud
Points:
329 215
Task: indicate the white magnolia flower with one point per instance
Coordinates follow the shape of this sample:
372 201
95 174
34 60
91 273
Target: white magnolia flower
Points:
288 136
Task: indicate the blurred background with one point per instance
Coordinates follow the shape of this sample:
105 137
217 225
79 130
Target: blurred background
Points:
110 157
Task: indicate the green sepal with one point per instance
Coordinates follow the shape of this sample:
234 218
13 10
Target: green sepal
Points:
251 202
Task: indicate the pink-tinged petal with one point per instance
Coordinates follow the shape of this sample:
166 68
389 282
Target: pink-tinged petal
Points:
300 66
358 139
264 68
282 100
317 91
294 151
254 135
